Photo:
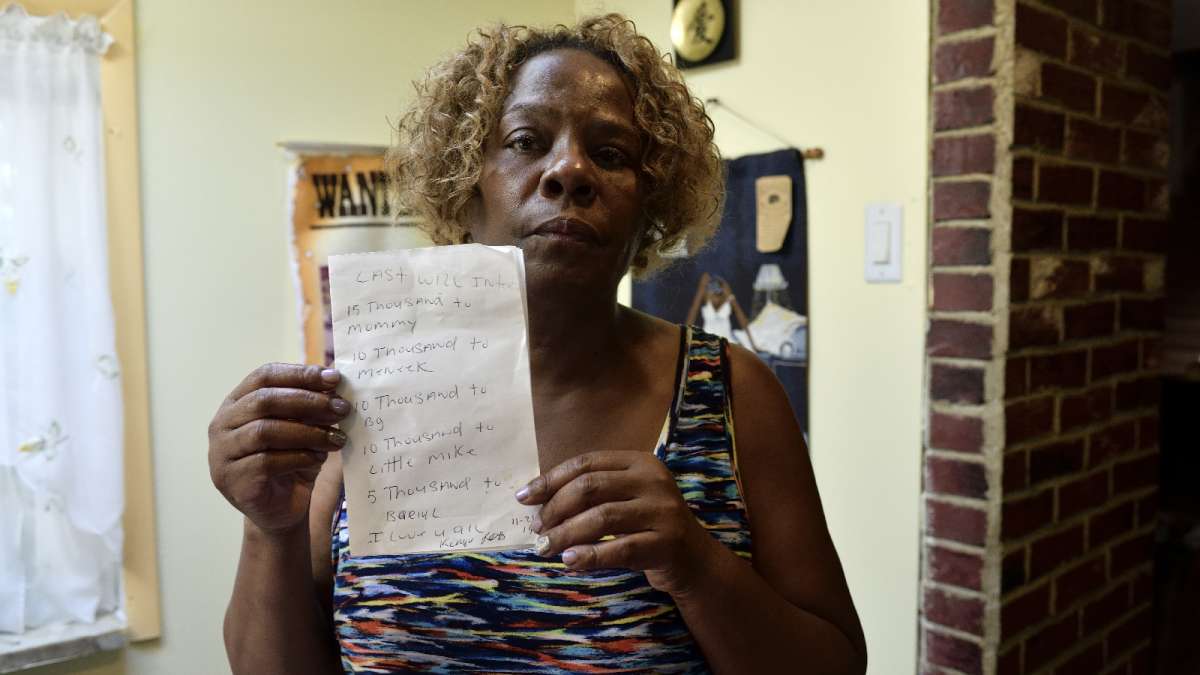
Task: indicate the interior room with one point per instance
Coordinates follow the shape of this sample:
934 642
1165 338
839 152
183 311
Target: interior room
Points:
956 252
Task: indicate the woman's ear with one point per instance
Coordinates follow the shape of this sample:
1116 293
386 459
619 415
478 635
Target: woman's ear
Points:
648 236
468 216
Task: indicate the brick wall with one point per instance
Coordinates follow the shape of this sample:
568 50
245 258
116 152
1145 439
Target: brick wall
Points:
965 365
1085 311
1049 195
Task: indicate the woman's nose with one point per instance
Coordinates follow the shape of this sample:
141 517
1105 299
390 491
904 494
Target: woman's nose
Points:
570 174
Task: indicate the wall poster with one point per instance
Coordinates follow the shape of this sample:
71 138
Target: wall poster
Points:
337 203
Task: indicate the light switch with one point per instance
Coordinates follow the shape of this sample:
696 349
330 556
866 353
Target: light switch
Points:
882 230
879 242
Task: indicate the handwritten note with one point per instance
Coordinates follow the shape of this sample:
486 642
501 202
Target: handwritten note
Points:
432 347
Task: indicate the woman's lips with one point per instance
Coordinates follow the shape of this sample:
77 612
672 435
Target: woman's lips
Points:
567 229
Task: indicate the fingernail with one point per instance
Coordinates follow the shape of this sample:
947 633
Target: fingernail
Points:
537 523
569 556
337 438
542 544
523 494
340 405
330 375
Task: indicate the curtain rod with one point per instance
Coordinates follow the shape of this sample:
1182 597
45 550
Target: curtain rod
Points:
808 153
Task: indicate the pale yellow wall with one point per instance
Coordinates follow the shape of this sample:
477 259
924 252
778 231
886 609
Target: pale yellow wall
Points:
220 83
849 76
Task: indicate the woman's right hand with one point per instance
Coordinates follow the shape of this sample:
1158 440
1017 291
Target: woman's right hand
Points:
269 438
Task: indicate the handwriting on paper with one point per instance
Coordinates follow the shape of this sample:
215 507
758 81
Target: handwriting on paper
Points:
432 347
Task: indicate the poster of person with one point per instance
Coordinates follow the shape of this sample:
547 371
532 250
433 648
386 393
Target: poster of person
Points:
750 283
337 203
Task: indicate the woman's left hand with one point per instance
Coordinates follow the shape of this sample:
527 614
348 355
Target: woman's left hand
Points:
633 496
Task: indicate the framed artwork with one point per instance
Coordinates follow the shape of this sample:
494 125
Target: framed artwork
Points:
750 283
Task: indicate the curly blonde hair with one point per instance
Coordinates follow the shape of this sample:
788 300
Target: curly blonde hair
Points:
435 165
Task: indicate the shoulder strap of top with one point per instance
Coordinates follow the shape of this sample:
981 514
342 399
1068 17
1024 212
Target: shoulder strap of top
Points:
701 449
701 400
681 364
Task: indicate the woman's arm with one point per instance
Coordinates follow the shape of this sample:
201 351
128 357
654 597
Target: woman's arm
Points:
273 455
280 617
792 608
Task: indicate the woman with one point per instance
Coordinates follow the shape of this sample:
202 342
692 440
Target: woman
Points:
581 146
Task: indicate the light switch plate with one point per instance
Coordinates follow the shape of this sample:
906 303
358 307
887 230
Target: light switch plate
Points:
882 229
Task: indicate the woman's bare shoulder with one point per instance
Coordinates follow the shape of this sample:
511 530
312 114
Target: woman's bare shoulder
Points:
649 332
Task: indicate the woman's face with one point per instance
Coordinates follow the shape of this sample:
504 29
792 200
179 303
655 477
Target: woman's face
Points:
560 175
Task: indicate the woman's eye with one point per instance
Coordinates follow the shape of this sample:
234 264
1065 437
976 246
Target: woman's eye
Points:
523 143
610 156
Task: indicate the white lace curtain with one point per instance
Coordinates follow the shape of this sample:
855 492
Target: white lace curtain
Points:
60 393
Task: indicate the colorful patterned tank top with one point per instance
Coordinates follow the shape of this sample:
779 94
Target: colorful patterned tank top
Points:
516 612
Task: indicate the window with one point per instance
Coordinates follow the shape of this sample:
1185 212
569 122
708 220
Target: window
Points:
139 574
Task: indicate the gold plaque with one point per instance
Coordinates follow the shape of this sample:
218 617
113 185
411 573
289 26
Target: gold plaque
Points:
696 28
